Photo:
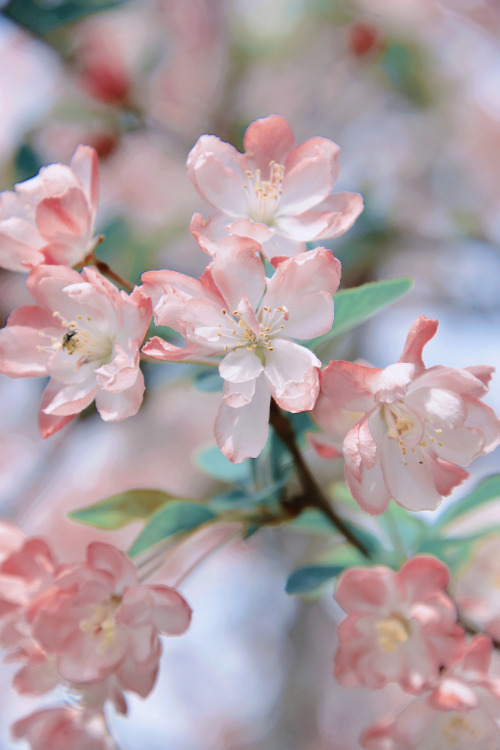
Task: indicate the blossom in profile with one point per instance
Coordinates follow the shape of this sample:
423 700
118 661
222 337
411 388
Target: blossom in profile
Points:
400 626
248 321
412 428
276 193
85 335
49 219
460 712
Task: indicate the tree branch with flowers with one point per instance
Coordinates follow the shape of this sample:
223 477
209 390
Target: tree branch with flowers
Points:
263 310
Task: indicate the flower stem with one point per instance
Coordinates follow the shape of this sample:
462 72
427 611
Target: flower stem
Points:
104 268
312 495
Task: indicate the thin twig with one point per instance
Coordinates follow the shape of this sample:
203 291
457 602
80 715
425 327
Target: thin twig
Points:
312 496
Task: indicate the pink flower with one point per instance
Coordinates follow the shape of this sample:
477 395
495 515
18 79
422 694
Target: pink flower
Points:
276 193
64 728
99 622
235 312
476 589
50 218
414 427
85 335
460 713
400 627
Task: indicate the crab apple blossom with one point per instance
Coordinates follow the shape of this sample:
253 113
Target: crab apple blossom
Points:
236 313
400 626
85 335
100 622
276 193
477 586
49 219
63 728
412 428
460 712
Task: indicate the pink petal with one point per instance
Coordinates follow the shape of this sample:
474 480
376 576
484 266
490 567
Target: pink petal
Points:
217 171
46 284
114 407
51 181
85 165
266 140
240 365
242 433
119 374
67 400
298 277
20 244
65 218
330 218
157 347
292 375
169 291
422 330
237 270
114 562
239 394
210 232
49 424
348 385
390 385
172 614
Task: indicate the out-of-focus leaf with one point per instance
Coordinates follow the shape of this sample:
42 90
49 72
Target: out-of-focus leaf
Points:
355 306
43 16
405 530
208 381
487 491
26 163
215 464
311 578
454 552
120 510
177 517
406 70
307 579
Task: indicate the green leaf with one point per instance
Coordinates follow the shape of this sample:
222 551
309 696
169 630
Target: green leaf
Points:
215 464
305 580
355 306
119 510
43 16
208 381
487 491
177 517
26 163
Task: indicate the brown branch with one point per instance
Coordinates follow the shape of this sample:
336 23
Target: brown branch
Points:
312 495
104 268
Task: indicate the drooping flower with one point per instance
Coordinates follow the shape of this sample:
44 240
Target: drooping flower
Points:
49 219
400 627
477 586
85 335
98 621
235 312
412 428
461 712
276 193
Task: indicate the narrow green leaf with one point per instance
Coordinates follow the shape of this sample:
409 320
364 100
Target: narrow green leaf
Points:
177 517
486 491
306 580
215 464
355 306
43 16
119 510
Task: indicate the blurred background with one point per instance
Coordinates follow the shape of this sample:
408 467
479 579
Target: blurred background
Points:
410 90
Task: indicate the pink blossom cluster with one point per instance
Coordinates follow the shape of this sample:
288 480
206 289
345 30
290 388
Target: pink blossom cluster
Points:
401 627
90 626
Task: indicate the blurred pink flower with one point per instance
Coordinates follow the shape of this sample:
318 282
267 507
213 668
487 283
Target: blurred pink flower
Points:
461 712
93 333
400 627
276 193
64 728
98 621
234 311
415 427
476 589
50 218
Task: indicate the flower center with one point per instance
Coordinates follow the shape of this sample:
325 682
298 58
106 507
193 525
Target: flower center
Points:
259 336
392 632
101 624
455 729
405 428
81 338
264 195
